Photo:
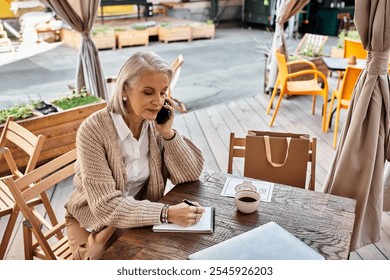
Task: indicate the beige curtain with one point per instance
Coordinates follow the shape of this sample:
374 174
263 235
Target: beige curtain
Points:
358 167
286 9
80 15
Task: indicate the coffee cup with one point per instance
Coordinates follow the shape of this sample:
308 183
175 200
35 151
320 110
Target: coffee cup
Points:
247 199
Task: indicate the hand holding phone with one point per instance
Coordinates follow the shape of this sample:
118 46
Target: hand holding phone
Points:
163 115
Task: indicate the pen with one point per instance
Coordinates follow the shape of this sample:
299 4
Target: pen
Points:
188 202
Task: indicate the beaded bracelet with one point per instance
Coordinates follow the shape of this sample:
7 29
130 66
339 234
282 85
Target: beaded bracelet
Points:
164 214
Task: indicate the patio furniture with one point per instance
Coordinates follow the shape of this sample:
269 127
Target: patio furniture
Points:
15 135
176 67
237 149
343 96
303 87
346 23
5 42
111 84
310 43
323 222
354 48
32 186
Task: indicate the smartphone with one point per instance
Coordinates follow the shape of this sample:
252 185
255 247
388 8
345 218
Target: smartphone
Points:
163 115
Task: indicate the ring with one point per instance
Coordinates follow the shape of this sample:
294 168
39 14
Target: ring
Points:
196 212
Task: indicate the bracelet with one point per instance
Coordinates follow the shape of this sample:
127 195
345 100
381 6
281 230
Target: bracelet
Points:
164 214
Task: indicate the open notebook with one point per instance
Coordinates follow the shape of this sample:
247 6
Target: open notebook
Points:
205 225
266 242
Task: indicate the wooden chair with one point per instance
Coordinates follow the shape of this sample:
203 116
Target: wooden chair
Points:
237 150
176 67
345 22
343 96
302 87
34 186
111 84
15 137
5 42
314 42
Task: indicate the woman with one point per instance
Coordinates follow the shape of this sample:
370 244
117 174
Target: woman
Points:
124 159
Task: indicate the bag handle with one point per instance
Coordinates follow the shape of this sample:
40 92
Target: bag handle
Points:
268 151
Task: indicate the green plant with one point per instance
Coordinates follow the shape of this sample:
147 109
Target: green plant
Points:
351 34
120 29
138 26
311 50
99 29
21 111
75 99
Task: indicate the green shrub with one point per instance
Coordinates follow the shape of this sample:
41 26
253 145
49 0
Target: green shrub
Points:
75 99
22 111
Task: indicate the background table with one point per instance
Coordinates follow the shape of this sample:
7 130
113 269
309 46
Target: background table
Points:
322 221
340 64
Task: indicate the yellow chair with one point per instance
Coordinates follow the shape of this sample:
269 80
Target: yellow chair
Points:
304 87
343 95
354 48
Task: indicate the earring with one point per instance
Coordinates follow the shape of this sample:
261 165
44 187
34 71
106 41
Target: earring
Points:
124 98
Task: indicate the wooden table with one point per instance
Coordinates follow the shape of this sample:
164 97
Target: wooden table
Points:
322 221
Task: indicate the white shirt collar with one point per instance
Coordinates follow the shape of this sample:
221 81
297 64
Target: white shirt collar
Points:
121 127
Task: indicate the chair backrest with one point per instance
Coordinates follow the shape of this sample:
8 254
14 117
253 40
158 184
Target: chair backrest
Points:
315 42
176 67
354 48
282 65
237 149
22 139
16 139
349 80
111 85
34 185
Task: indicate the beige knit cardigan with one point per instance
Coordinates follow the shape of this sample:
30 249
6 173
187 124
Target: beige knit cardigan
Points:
100 176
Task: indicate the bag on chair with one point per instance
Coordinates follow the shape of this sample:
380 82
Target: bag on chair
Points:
277 157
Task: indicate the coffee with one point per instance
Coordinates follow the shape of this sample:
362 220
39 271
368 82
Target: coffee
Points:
247 199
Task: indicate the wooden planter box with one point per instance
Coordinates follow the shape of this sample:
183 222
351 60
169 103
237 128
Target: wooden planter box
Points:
102 40
131 37
179 33
203 31
60 131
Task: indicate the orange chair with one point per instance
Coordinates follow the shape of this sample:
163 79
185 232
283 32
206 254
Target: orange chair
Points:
305 87
354 48
343 95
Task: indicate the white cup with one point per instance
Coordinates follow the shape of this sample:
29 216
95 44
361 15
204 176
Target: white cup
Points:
247 199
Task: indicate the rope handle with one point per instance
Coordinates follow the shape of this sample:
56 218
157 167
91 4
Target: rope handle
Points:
268 151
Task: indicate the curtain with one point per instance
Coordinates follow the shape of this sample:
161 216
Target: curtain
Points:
285 10
358 166
80 15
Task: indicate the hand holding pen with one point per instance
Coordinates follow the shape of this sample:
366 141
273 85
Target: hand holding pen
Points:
186 213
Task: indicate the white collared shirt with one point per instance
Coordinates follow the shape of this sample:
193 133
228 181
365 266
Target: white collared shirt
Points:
135 154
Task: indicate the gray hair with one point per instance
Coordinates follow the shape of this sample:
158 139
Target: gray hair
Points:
131 71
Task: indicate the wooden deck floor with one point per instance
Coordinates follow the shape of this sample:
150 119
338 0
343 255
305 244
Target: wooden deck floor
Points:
209 128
